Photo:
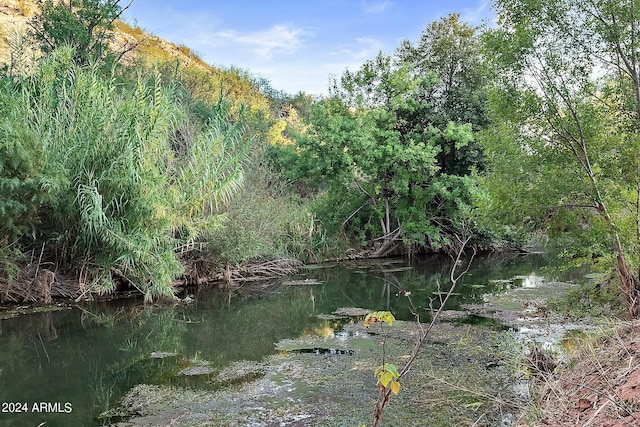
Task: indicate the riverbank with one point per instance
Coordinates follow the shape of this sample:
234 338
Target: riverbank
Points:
34 284
599 384
582 372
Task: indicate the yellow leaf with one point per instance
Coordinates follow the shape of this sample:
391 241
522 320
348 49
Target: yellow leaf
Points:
385 378
387 317
370 319
378 371
379 316
395 387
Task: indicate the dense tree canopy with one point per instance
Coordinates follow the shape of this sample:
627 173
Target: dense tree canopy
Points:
568 104
394 144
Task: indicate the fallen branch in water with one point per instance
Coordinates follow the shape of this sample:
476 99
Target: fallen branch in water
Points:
254 271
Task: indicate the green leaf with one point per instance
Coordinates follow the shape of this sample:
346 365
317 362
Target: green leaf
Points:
392 369
473 405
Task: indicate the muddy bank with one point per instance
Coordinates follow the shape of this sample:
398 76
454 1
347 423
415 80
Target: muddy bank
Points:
35 284
460 378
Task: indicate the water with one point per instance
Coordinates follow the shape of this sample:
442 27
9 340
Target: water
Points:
66 367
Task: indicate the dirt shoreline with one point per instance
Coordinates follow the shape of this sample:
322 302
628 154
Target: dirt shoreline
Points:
599 385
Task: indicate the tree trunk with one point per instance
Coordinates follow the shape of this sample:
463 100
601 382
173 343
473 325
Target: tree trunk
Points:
629 282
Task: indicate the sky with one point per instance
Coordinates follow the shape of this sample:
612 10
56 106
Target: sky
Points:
296 44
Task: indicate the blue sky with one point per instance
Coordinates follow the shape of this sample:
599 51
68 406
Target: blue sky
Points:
295 44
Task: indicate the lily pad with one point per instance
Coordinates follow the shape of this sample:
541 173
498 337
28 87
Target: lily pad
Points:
162 355
242 371
199 367
197 370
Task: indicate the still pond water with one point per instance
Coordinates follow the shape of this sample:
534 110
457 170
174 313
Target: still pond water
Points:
66 367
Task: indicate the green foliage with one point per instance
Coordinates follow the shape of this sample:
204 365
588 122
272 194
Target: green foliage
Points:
452 51
264 221
393 150
205 85
381 160
21 168
120 180
565 145
590 300
84 25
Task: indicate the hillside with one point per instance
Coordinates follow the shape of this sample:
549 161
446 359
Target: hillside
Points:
15 14
205 81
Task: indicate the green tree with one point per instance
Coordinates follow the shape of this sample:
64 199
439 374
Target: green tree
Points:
569 101
84 25
452 50
375 146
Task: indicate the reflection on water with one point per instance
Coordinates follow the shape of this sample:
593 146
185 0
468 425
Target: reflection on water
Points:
90 356
530 281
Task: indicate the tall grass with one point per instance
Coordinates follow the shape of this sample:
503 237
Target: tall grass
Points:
124 184
268 220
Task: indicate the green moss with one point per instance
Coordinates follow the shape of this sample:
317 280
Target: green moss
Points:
448 385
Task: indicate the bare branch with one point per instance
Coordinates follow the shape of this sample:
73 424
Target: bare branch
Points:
424 332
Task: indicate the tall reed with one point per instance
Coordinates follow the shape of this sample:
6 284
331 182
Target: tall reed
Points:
120 193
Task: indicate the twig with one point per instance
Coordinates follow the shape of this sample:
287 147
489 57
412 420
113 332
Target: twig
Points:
39 261
386 394
595 414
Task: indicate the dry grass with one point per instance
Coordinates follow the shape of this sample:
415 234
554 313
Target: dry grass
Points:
599 385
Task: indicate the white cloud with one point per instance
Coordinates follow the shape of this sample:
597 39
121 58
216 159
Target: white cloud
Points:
279 39
366 48
376 6
476 15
